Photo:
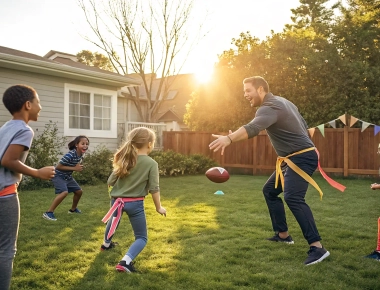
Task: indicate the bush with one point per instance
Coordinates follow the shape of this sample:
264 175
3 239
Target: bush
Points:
45 150
97 167
171 163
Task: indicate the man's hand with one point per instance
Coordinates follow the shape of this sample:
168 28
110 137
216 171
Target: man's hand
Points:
220 143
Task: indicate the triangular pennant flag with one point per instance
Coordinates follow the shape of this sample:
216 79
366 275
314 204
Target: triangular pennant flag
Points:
365 125
333 124
311 131
322 129
377 129
353 120
343 118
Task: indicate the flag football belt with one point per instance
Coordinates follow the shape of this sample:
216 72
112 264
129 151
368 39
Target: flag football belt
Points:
302 173
118 206
9 190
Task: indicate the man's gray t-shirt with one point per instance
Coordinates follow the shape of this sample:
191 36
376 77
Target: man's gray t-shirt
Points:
15 132
286 128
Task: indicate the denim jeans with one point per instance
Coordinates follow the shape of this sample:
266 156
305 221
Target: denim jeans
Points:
294 196
9 222
136 214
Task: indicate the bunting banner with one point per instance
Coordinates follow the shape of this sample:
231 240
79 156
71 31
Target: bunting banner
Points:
333 123
311 132
365 125
377 129
322 129
343 119
353 120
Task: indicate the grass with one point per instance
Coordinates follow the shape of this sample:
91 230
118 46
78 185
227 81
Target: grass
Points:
206 241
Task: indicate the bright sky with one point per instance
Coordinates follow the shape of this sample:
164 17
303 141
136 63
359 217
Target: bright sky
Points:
38 26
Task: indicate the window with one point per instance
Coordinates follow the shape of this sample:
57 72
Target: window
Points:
89 111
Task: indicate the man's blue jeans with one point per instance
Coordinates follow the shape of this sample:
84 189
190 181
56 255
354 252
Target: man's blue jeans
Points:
294 196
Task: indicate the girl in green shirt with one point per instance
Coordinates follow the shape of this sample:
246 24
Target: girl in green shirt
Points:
134 175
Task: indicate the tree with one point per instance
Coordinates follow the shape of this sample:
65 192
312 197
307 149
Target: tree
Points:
95 59
357 37
313 14
148 38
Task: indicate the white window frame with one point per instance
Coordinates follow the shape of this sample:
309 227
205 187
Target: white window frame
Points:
112 133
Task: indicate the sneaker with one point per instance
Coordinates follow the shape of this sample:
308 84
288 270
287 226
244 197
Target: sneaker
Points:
316 255
374 255
123 267
276 238
112 245
74 211
49 216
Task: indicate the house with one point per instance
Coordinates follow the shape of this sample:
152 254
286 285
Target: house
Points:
85 100
177 94
174 108
79 98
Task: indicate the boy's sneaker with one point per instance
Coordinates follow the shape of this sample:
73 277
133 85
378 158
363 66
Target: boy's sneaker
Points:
276 238
316 255
123 267
49 216
374 255
112 245
74 211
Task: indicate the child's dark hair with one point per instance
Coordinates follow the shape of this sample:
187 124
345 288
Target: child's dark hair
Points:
76 141
16 96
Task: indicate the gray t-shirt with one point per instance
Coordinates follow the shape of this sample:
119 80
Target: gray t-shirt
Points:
13 132
286 128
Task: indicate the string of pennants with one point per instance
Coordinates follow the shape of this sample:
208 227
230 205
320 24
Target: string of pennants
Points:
344 119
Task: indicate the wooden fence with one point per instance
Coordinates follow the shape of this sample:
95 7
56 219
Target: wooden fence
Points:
343 151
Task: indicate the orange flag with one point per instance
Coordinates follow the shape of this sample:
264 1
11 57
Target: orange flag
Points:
353 120
311 131
343 118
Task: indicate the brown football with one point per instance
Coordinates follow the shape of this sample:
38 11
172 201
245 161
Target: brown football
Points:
217 174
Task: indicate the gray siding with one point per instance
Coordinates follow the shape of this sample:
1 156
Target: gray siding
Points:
51 92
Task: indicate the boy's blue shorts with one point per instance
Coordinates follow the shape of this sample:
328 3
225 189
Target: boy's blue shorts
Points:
61 184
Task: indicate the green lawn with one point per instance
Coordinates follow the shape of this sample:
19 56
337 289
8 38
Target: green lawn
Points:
206 241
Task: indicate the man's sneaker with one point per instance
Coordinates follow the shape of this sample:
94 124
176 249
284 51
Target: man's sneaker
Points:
74 211
276 238
123 267
374 255
316 255
112 245
49 216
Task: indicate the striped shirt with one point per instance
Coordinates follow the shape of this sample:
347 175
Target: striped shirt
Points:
71 159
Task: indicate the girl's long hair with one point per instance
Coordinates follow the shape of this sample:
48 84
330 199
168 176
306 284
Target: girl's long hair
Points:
125 157
76 141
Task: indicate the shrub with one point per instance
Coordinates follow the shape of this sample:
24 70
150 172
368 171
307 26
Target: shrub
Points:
45 150
171 163
97 167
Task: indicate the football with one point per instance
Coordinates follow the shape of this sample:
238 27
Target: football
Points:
217 174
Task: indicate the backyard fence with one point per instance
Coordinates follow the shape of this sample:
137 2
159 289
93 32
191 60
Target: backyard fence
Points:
343 151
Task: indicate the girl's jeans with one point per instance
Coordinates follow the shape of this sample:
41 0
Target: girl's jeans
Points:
136 214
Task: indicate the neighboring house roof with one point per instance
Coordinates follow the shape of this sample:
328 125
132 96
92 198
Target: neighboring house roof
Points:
61 67
169 116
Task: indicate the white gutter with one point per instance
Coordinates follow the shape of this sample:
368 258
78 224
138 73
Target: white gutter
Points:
62 70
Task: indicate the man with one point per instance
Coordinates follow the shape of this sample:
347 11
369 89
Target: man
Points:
287 131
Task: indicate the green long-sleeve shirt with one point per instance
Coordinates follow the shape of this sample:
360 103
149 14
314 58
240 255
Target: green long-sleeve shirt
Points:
144 178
